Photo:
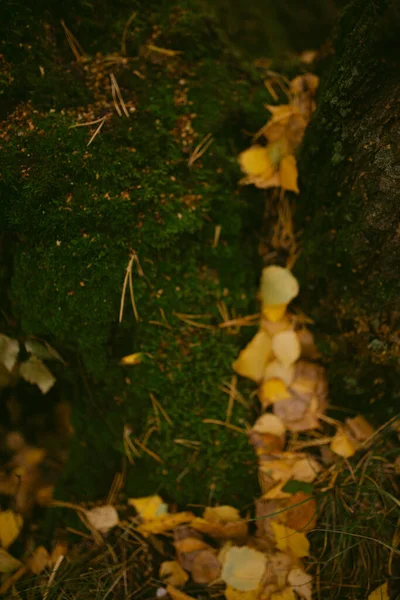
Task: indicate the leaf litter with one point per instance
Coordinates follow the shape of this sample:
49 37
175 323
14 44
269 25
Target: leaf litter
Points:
220 547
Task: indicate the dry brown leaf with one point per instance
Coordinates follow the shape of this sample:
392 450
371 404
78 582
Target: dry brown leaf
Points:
301 583
342 444
172 573
307 344
10 527
205 567
164 523
359 428
243 568
8 563
290 541
301 512
253 358
103 518
265 443
149 507
39 560
190 544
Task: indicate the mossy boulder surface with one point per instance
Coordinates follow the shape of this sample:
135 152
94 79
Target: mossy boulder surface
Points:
75 213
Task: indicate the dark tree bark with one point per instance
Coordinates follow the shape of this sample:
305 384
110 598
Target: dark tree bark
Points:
349 208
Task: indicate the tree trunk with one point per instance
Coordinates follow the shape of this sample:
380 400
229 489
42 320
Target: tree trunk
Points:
349 208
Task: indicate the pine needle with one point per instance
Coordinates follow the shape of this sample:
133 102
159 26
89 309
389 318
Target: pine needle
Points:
75 46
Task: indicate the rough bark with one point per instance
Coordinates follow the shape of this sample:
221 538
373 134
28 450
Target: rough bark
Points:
349 208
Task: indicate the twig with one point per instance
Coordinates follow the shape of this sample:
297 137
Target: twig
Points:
52 575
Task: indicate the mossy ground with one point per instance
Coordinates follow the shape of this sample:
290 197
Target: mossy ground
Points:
75 213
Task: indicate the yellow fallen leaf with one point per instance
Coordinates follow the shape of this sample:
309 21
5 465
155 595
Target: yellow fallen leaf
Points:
360 428
103 518
176 594
164 523
285 594
10 527
60 549
221 514
276 370
132 359
306 469
290 541
233 594
221 531
253 358
35 371
269 423
343 445
39 560
243 568
273 390
381 593
265 443
286 347
301 583
172 573
274 312
278 286
8 563
9 350
205 567
288 173
149 507
255 161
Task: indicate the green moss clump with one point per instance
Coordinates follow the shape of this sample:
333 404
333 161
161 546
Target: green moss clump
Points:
78 212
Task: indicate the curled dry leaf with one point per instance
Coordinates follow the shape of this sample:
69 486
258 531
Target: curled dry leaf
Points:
172 573
343 445
149 507
206 567
103 518
290 541
243 568
253 358
39 560
359 428
35 371
301 583
10 527
8 563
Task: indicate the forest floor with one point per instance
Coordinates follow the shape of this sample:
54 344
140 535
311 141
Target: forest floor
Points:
130 248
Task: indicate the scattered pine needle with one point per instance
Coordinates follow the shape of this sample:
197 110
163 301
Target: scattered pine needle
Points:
157 405
223 424
75 46
200 149
125 32
148 451
116 487
231 401
217 233
164 51
117 97
96 133
248 321
128 277
187 443
190 320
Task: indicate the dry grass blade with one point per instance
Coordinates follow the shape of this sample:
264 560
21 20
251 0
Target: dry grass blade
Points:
96 133
75 46
217 233
125 32
164 51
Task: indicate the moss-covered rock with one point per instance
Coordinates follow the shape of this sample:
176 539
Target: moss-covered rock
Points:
76 213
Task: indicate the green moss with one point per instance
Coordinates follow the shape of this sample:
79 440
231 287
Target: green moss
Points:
78 213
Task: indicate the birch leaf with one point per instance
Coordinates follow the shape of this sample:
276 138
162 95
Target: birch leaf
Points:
343 445
35 371
253 358
290 541
243 568
301 583
381 593
278 286
9 350
10 527
286 347
8 563
172 573
149 507
103 518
